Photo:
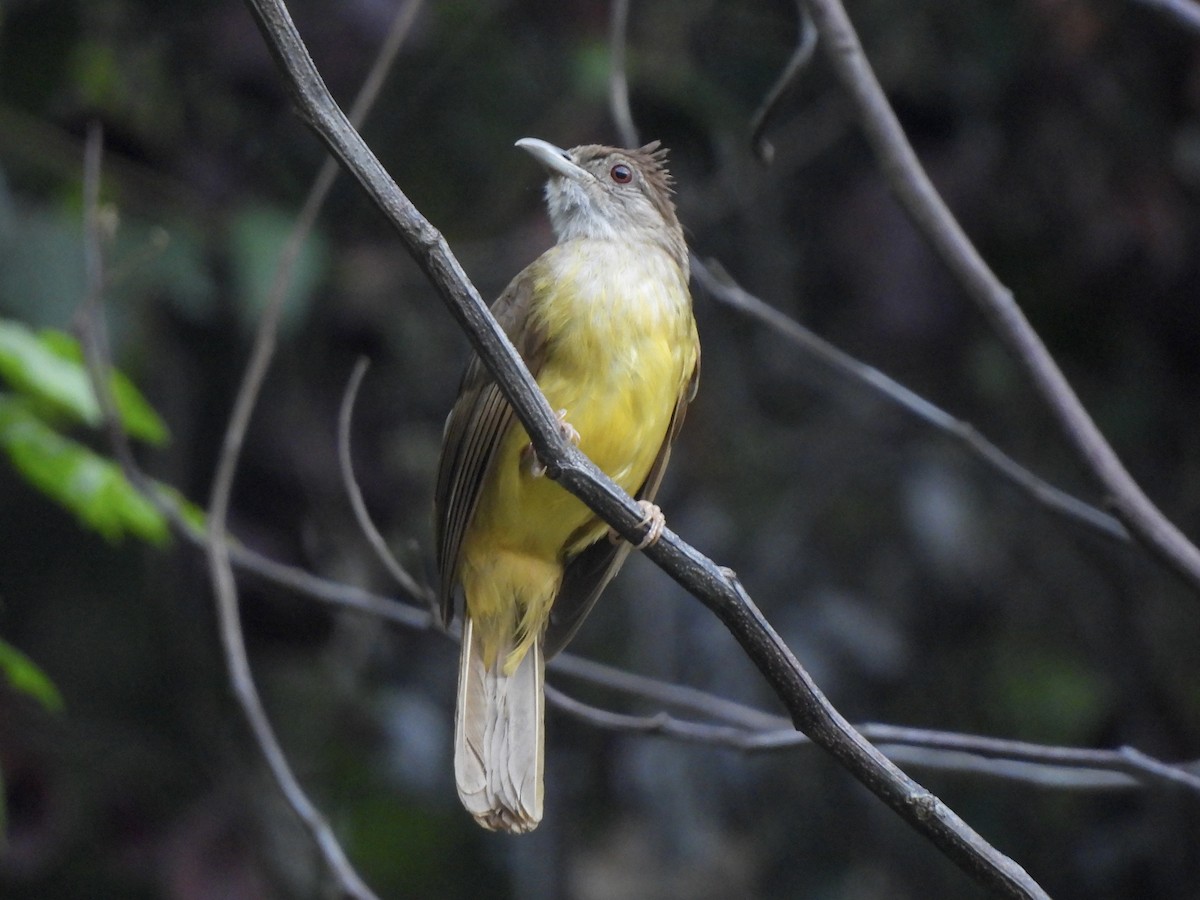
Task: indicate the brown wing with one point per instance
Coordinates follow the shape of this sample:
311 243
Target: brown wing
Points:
588 573
473 432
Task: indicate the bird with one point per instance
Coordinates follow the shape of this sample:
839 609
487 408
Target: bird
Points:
603 320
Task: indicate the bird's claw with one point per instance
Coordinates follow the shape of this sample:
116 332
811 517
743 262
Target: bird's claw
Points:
529 456
655 523
567 429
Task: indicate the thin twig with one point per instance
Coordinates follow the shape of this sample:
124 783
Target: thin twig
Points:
806 44
224 584
90 326
344 596
722 287
1123 760
1176 774
350 483
618 82
673 696
1061 767
934 220
717 588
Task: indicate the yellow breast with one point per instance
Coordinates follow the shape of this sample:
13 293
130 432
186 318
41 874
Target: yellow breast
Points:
621 347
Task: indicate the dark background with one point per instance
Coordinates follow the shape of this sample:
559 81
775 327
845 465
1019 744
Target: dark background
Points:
918 587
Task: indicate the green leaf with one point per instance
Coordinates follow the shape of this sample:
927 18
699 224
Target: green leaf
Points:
48 367
137 415
27 678
78 478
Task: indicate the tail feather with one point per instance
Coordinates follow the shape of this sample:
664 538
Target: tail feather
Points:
498 738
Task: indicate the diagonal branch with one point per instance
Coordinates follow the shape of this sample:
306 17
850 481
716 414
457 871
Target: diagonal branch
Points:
716 281
718 589
934 220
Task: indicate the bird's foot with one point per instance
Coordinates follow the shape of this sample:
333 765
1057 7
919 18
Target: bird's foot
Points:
567 429
653 518
529 457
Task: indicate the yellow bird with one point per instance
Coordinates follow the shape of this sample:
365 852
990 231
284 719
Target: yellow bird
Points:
604 322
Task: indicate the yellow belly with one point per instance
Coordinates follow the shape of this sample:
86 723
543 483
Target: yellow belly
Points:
623 347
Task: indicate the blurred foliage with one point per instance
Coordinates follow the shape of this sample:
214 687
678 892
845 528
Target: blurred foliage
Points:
49 387
917 586
25 677
48 370
86 483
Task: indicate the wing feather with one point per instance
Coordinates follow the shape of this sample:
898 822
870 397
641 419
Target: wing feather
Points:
476 424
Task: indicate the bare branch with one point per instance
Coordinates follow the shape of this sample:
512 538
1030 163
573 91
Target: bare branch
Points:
722 287
717 588
673 696
934 220
221 572
1059 767
346 464
806 43
344 596
1124 760
618 83
1177 774
90 326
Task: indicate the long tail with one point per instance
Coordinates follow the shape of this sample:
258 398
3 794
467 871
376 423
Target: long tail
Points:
498 738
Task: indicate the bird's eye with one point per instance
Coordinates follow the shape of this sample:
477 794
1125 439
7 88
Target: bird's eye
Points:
621 173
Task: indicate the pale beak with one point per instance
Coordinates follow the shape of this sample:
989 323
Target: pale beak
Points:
557 160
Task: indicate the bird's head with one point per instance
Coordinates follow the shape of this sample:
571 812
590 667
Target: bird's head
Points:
610 194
